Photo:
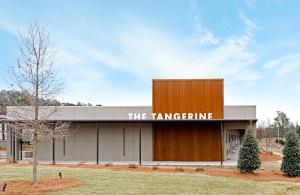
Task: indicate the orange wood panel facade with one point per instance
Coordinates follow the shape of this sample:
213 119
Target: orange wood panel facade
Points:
187 141
188 96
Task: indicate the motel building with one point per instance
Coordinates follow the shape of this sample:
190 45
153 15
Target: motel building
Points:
187 123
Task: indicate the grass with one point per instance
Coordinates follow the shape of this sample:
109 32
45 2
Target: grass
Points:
98 181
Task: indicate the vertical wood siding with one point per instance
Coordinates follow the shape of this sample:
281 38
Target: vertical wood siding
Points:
191 140
187 141
183 96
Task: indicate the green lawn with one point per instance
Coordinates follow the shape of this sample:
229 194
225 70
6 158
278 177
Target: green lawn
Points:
97 181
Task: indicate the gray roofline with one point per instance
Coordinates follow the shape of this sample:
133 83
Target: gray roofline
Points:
104 106
113 113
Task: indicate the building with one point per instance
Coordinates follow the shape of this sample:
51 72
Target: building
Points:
2 133
186 122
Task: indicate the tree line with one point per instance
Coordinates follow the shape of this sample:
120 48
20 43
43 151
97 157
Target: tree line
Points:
16 98
278 129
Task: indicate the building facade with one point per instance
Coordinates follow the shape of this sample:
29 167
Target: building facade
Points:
186 122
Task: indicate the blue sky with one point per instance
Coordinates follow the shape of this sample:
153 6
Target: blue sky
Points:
109 51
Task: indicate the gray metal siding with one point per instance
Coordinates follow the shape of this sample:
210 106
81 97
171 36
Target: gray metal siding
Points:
81 146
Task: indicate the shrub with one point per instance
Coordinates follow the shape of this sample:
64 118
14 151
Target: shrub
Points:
179 169
248 160
108 164
199 169
155 167
291 155
132 166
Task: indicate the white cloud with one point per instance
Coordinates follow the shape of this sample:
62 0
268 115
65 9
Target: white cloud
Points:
8 26
207 38
288 63
204 35
271 64
285 64
247 75
149 52
250 25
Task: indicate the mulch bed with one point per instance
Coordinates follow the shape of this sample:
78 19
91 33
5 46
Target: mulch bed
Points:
269 156
22 187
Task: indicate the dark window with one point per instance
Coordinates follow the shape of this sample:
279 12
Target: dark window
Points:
2 131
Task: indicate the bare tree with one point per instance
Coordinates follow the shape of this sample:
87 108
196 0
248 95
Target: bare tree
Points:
36 73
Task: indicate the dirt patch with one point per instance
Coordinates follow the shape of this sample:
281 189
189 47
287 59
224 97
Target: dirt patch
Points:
269 156
22 187
2 149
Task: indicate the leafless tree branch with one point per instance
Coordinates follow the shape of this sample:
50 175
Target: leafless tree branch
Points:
36 73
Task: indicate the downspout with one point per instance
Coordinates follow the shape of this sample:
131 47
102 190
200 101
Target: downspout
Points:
14 147
222 143
140 143
53 151
21 148
97 149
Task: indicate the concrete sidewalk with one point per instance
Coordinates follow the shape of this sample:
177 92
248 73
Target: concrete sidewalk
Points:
145 163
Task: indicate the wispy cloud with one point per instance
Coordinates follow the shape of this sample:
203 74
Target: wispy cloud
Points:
289 63
150 52
250 25
285 64
7 26
147 51
271 64
204 35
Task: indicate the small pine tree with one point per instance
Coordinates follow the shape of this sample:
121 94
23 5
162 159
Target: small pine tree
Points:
291 155
248 160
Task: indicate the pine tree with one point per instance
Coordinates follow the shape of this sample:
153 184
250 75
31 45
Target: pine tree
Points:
248 160
291 155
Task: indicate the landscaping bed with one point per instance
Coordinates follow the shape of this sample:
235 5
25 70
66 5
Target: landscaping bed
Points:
269 156
259 175
22 187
